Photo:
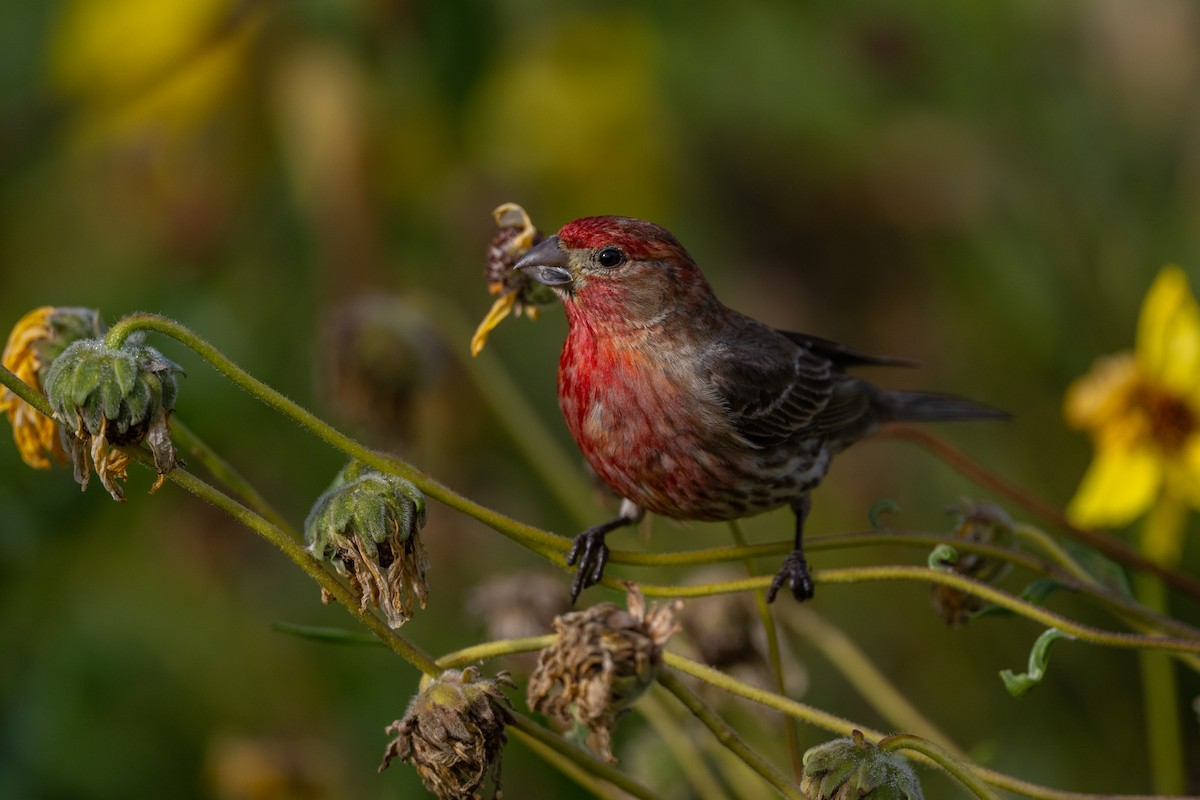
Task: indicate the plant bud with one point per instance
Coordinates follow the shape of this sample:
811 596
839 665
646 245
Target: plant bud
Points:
367 524
104 396
853 768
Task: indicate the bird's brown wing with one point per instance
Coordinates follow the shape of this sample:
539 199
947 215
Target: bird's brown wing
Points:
776 389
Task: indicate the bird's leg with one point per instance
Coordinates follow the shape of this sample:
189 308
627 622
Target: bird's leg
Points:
794 573
592 553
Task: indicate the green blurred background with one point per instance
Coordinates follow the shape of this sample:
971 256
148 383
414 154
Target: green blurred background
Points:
985 188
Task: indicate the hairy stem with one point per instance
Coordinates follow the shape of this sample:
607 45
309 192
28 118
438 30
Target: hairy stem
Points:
982 590
1160 536
940 756
546 544
844 727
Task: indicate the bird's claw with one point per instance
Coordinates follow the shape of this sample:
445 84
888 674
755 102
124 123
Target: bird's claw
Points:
794 575
591 552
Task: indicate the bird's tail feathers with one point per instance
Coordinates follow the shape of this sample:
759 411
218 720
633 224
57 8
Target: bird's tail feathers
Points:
901 406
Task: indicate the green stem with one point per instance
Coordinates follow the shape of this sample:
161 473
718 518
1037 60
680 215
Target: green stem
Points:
24 391
488 650
1140 616
774 657
728 737
1161 533
982 590
844 727
542 542
1123 606
938 755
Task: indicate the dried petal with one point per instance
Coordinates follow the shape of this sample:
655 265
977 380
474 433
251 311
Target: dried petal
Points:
517 291
453 733
36 340
601 661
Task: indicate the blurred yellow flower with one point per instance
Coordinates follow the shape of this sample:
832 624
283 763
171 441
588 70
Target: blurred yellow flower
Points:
1142 409
36 435
143 66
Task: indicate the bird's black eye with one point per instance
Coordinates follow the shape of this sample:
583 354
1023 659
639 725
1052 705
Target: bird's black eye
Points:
610 257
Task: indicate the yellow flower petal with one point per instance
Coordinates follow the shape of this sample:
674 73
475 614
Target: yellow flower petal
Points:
496 314
1120 484
1168 336
1099 397
36 436
1183 473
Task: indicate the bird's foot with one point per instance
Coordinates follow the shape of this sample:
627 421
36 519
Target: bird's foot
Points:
794 575
591 552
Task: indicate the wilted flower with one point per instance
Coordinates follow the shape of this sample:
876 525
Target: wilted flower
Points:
36 340
1142 409
853 768
601 661
453 733
367 524
976 522
104 396
518 292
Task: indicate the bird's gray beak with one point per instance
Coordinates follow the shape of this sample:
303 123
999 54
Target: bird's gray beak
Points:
546 263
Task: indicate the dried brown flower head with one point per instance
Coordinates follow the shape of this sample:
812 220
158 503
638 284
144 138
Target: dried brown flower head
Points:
453 733
517 291
601 661
975 522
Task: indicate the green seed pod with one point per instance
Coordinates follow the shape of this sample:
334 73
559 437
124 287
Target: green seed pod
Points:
367 525
104 396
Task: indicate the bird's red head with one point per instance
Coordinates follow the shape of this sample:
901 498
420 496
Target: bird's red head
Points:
618 272
637 239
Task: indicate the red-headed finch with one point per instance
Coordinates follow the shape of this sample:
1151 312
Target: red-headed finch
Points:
692 410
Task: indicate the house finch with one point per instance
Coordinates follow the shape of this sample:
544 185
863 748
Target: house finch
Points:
692 410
